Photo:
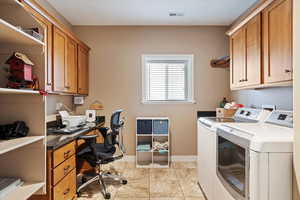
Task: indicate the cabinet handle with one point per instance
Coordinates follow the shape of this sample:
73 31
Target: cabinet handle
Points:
66 169
66 154
67 191
288 71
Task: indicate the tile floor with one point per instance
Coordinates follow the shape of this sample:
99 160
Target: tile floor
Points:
176 183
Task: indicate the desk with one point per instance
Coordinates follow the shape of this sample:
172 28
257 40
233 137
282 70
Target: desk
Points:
62 164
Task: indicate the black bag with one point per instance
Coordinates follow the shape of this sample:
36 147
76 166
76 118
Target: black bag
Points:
15 130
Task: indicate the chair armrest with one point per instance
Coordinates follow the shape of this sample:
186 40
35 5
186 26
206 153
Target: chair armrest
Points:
103 129
87 137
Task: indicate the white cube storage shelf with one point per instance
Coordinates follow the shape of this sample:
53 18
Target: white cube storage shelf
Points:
151 130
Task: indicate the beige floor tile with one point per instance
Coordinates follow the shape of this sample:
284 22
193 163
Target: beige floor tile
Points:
189 174
182 165
131 198
130 165
162 175
168 198
135 173
197 198
165 189
93 191
135 188
115 167
190 188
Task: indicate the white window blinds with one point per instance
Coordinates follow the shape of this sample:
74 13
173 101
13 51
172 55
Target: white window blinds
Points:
167 80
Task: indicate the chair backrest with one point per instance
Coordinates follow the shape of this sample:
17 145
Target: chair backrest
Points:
115 122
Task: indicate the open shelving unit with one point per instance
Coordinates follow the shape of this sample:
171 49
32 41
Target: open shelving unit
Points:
150 130
24 157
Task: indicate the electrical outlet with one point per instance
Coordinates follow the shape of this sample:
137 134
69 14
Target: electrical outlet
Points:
59 106
269 107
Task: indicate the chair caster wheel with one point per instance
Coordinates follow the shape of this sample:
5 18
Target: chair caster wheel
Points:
107 196
124 182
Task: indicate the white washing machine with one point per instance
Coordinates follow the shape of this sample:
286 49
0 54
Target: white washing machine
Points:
206 162
254 161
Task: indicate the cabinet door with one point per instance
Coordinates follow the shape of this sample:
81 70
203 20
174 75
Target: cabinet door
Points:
59 60
253 52
238 58
277 41
71 67
83 70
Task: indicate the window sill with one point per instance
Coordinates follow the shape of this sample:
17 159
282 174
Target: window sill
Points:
169 102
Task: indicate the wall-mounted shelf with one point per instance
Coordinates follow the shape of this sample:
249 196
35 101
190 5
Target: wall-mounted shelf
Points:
10 34
10 145
24 191
17 91
148 131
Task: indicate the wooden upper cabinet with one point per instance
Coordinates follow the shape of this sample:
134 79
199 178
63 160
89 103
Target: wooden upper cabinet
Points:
277 42
59 60
71 67
238 58
64 63
253 52
83 70
246 54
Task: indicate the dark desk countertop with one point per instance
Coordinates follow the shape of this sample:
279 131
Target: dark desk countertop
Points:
206 114
55 141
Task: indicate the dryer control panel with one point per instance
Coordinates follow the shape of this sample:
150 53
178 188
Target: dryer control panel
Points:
281 118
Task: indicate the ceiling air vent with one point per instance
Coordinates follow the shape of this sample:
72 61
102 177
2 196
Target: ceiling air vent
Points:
176 14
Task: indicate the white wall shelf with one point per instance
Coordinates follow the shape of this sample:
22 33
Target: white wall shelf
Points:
10 34
153 128
12 144
17 91
24 191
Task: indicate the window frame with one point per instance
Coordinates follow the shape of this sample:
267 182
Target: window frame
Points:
189 58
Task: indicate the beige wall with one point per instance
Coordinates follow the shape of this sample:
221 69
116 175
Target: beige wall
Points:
115 75
297 94
52 100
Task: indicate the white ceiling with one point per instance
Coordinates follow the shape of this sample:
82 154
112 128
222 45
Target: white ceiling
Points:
151 12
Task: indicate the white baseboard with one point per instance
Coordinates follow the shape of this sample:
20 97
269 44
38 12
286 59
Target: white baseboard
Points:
131 158
183 158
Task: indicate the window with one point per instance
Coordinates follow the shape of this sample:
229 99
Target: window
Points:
167 78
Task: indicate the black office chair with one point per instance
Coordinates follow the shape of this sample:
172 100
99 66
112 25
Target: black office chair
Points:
100 154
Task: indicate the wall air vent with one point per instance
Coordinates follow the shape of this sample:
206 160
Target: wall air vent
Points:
176 14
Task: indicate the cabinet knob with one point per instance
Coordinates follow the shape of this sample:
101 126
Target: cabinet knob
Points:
288 71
